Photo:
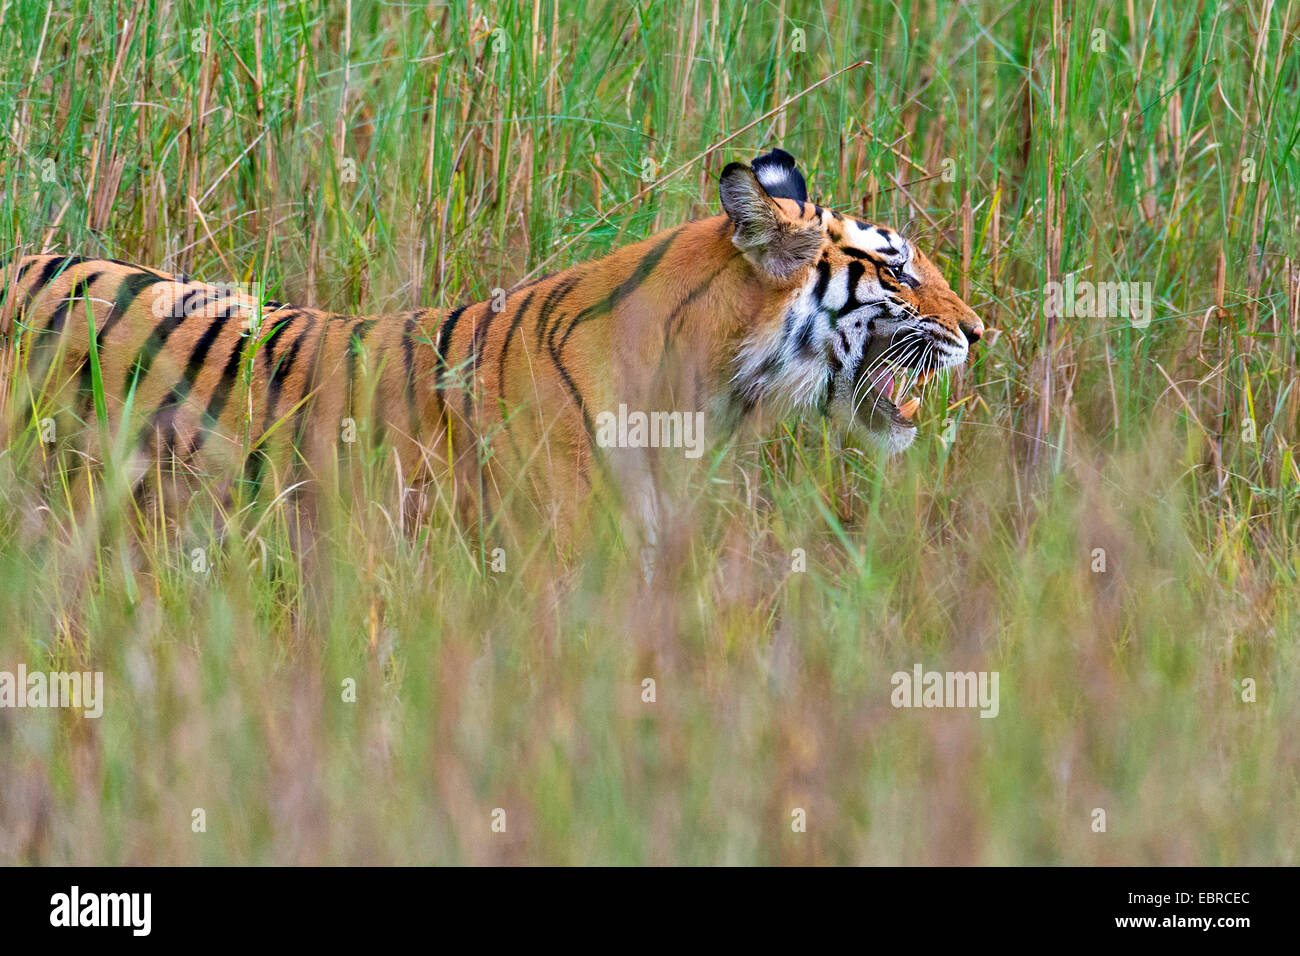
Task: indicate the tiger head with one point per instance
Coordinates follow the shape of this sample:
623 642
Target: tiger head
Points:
862 316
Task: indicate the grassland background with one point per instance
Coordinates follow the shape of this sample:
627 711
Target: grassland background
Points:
379 156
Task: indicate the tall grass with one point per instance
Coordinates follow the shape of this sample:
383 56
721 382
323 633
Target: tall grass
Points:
379 156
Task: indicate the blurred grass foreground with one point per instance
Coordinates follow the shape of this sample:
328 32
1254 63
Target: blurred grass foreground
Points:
1102 511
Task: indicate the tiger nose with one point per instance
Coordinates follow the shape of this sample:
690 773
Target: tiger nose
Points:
972 328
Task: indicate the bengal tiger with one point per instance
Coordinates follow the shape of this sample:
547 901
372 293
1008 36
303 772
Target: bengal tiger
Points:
777 302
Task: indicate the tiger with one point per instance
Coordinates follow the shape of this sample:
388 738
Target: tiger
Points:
774 303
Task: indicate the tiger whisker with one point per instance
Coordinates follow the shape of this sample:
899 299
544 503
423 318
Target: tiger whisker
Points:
867 379
892 347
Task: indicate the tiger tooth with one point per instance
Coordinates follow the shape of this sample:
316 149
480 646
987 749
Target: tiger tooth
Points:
909 407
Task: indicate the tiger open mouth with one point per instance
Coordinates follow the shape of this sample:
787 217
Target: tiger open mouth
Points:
892 389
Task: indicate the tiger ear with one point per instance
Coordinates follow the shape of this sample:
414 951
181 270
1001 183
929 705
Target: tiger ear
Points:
770 239
780 176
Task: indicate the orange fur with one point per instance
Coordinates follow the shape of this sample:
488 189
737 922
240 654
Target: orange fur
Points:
655 325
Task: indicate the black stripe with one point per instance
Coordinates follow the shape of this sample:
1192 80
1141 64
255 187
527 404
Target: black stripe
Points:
837 365
621 291
189 303
165 414
625 288
823 281
894 281
198 355
80 289
506 418
37 366
22 271
408 367
475 344
476 349
255 465
356 339
52 267
48 271
444 343
268 344
220 395
505 346
94 260
126 294
691 296
480 334
556 296
138 370
275 383
309 389
852 303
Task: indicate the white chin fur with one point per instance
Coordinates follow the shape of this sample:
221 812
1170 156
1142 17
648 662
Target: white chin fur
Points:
894 439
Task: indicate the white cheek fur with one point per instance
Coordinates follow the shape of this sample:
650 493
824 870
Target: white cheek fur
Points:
789 364
871 240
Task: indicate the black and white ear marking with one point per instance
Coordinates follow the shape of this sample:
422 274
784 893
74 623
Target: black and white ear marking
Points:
780 176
